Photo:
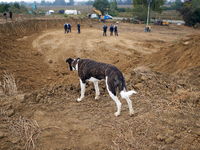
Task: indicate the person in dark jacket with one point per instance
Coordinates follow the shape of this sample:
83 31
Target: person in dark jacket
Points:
5 16
111 30
115 29
10 14
69 28
66 27
104 30
79 28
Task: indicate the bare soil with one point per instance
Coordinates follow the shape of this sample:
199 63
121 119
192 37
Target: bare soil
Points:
163 66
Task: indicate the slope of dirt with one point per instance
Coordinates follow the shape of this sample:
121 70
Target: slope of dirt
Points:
45 114
179 56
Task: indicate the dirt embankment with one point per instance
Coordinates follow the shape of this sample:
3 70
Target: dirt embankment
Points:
177 57
19 57
160 66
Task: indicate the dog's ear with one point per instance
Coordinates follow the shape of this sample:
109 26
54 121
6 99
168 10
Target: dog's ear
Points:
69 60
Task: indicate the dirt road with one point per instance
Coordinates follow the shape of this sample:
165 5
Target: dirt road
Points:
166 106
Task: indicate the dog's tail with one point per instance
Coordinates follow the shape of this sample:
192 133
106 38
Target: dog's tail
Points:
124 93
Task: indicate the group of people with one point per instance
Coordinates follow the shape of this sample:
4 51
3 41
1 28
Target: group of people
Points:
112 28
67 27
5 15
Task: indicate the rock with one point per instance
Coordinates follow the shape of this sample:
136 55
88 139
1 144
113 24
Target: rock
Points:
10 112
198 124
38 98
160 137
197 132
169 93
172 88
170 132
49 78
127 77
186 43
178 135
148 94
2 135
132 72
181 82
50 61
138 86
143 78
170 140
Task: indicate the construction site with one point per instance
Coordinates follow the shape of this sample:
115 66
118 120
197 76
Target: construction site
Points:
42 112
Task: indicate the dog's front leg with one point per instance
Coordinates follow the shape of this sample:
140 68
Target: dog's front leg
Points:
96 89
82 90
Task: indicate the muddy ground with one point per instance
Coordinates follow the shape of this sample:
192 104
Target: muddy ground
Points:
163 66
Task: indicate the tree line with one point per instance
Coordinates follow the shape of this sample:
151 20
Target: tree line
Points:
14 8
189 9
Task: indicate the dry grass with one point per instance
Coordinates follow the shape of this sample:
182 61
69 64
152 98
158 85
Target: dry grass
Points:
28 130
25 129
9 86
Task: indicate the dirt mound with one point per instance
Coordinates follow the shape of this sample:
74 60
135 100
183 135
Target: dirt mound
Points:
146 82
19 57
177 57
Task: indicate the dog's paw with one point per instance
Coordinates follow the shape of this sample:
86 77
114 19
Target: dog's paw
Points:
79 99
97 97
132 113
117 114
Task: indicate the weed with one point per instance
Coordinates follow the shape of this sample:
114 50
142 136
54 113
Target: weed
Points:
9 86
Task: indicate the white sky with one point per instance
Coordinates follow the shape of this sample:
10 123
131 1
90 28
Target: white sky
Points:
31 1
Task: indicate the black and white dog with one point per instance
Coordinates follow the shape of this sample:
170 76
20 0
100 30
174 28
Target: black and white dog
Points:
94 71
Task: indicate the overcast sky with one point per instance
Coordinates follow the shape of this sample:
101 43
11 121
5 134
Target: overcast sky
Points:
39 1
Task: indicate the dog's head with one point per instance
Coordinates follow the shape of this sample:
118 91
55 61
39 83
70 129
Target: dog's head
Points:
73 63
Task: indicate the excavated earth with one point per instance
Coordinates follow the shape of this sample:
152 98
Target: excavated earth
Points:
163 66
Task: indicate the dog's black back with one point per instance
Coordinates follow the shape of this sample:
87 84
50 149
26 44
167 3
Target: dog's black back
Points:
88 68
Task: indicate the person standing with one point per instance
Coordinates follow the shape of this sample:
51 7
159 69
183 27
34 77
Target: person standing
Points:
11 15
66 27
78 27
5 16
149 29
69 27
115 28
111 30
104 30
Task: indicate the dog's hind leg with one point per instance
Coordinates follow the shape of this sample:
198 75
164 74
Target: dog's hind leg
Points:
96 89
82 90
130 106
124 94
114 97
